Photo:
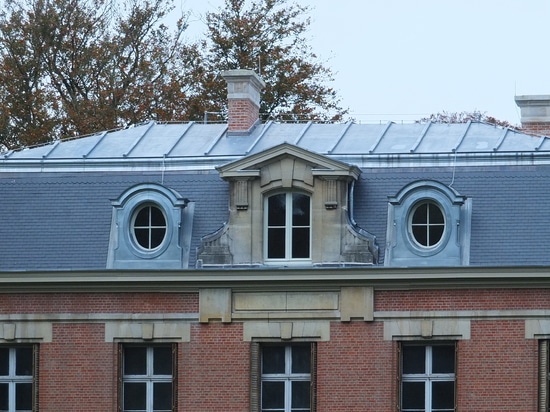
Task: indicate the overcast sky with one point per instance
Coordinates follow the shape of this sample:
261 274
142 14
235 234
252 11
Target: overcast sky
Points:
404 59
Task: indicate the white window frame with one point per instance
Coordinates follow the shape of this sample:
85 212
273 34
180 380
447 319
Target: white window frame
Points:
149 378
149 227
12 379
288 228
288 378
428 378
426 226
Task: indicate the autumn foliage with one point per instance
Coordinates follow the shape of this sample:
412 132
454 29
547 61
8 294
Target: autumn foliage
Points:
74 67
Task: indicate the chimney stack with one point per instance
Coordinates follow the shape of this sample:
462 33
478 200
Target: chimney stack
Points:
243 100
535 113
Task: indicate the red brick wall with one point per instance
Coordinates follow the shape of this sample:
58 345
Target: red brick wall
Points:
99 303
242 114
76 370
215 370
497 368
356 369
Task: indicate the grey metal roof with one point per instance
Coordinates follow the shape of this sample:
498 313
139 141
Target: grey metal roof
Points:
349 142
56 205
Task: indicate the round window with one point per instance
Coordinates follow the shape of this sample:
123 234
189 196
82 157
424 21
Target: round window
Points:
427 224
149 226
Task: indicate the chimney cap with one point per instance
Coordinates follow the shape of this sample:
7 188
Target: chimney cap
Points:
240 75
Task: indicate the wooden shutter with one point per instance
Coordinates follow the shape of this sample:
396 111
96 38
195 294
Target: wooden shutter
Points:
255 377
35 405
120 353
313 378
174 377
543 376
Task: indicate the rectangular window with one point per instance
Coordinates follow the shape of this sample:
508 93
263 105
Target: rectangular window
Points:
148 378
288 226
17 378
286 377
428 378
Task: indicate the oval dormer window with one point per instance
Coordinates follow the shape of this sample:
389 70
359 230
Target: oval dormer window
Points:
427 224
149 227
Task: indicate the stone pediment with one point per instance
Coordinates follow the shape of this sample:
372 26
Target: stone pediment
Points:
289 156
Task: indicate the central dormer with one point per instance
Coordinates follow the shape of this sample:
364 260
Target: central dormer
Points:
288 207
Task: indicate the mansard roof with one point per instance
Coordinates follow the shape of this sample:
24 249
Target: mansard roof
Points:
56 199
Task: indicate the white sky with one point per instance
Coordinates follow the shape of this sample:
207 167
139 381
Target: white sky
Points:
406 59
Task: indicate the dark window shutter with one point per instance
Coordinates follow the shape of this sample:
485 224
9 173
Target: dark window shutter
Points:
175 377
120 354
35 404
255 377
543 376
313 382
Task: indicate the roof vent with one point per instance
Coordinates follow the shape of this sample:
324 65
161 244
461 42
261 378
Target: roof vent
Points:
243 95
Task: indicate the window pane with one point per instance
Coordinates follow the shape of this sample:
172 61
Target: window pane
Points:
276 243
443 359
413 396
142 237
157 218
420 216
162 396
300 394
23 396
135 396
300 243
301 359
142 218
135 361
300 210
4 361
420 234
273 395
23 361
443 395
436 233
276 210
4 402
157 236
162 361
436 216
414 359
273 359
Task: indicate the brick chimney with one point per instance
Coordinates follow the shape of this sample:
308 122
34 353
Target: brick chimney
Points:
243 100
535 113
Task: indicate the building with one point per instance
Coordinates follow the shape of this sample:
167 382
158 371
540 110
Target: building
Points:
276 267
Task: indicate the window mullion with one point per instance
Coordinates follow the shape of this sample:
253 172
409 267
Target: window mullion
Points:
288 226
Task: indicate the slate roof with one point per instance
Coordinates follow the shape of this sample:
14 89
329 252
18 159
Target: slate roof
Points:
56 199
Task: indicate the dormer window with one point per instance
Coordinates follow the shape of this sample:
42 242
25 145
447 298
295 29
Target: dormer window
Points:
149 226
427 224
288 226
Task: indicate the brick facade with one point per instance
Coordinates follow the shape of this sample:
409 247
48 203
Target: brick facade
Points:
357 367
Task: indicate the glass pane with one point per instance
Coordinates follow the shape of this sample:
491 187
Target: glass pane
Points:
23 396
273 359
300 394
4 401
142 218
414 359
135 395
300 243
23 361
162 361
443 395
420 235
276 243
162 396
436 233
420 216
157 236
300 210
301 359
4 361
157 218
443 359
413 396
135 361
436 216
273 395
276 210
142 237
